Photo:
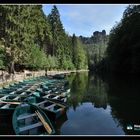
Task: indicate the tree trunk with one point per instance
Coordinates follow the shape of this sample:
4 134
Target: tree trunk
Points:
12 68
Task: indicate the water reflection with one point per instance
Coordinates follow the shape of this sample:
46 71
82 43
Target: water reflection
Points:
87 120
97 107
104 107
124 98
79 87
97 92
87 88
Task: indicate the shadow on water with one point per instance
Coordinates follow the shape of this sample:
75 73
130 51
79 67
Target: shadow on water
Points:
105 107
124 99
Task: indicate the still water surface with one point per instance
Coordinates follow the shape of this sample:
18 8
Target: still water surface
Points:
97 107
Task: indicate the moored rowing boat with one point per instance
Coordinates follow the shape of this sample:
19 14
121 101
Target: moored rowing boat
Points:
30 120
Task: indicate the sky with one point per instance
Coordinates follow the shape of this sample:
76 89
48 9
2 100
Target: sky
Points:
84 19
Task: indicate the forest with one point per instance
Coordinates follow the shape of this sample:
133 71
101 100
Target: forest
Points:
123 50
31 40
95 46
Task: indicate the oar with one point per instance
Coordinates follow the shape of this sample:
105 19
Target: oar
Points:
15 103
59 94
45 124
14 95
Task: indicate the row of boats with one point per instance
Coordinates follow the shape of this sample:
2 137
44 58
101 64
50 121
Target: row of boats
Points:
35 104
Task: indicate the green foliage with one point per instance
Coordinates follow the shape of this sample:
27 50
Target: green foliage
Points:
96 48
80 59
79 54
52 62
21 30
69 55
124 44
56 30
67 64
36 58
2 57
36 41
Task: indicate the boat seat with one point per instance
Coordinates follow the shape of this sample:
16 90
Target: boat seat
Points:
26 116
50 106
28 127
7 105
41 102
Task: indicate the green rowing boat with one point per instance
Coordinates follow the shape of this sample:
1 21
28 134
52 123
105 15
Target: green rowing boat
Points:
31 120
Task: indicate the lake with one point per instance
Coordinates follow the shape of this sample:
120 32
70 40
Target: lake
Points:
97 106
101 107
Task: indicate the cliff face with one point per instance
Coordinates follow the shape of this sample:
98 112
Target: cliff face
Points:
96 47
96 38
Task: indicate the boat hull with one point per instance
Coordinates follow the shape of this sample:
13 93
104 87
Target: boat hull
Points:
26 122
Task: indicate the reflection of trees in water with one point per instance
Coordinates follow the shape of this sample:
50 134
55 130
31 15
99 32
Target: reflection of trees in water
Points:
97 92
122 94
124 99
87 88
78 89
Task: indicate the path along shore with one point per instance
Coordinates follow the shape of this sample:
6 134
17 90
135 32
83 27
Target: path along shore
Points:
6 79
64 72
